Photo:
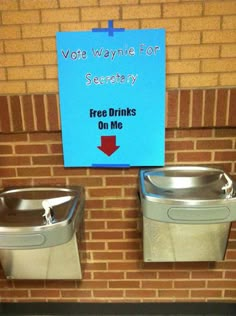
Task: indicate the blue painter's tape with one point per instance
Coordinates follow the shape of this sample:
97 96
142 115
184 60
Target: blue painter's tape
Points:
110 29
96 165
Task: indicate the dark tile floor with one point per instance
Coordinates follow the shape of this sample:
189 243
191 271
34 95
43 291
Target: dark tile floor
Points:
117 309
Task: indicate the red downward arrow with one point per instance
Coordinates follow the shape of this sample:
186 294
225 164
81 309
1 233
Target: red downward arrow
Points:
108 145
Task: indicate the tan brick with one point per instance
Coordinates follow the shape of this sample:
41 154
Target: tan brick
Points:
22 73
51 72
182 38
219 7
228 79
81 26
219 65
41 30
141 12
170 25
117 2
198 80
182 9
62 15
8 5
175 67
226 36
1 47
172 53
76 3
42 86
11 60
38 4
229 22
27 45
45 58
172 81
127 24
202 23
228 50
10 32
101 13
20 17
12 87
49 44
200 51
158 1
2 74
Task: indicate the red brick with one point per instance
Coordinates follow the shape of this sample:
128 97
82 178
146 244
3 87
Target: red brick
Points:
56 149
184 115
40 112
6 149
12 138
27 108
189 284
14 160
107 275
207 275
7 172
121 181
121 203
221 109
48 160
10 182
16 114
11 293
104 214
44 293
172 108
230 293
197 108
126 284
52 113
107 235
31 149
214 144
122 265
173 293
141 293
108 192
174 275
209 108
225 132
33 172
108 293
125 245
61 284
193 156
157 284
61 171
48 180
107 255
192 133
225 156
5 115
179 145
232 108
123 225
206 293
76 293
42 137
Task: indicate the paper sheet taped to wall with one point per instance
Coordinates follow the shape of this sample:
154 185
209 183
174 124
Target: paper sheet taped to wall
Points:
112 97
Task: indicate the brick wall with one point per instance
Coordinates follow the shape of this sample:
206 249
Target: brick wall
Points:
200 129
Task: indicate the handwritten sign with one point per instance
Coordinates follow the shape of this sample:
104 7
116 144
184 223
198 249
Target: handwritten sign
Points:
112 97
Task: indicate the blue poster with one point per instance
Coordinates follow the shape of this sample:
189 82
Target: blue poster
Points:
112 97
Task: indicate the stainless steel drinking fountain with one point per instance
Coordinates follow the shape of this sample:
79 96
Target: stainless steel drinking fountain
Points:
38 227
187 213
